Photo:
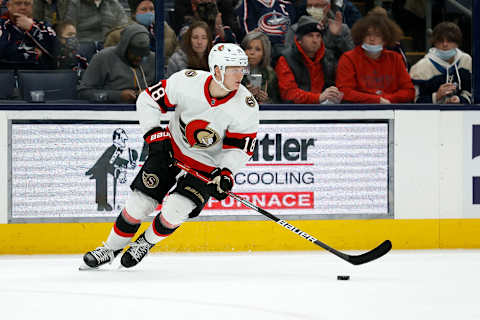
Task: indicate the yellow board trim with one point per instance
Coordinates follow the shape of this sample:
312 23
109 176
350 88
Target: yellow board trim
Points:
74 238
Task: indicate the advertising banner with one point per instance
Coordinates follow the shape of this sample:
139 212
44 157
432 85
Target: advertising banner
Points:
73 170
471 194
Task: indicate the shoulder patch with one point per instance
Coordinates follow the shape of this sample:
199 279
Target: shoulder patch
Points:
191 73
250 101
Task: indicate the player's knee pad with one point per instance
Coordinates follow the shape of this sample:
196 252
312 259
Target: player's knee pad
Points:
140 205
176 208
194 189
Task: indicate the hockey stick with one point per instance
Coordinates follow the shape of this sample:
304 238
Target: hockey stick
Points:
371 255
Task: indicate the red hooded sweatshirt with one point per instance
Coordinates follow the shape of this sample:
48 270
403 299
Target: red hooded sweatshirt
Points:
289 90
364 80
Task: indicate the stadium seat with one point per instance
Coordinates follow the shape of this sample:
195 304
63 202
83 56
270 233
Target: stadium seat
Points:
56 84
7 79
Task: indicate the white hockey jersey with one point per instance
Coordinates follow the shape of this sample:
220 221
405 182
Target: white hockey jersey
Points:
206 132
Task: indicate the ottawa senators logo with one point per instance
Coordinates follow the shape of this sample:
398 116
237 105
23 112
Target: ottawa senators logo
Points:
198 135
190 73
150 180
250 101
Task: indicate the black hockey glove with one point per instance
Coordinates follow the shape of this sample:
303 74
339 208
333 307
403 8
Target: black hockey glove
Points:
221 181
158 140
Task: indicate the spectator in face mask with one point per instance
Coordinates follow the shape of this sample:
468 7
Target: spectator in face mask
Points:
370 73
68 56
143 12
444 75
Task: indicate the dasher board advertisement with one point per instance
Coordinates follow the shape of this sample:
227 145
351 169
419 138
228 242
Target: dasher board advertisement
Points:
72 170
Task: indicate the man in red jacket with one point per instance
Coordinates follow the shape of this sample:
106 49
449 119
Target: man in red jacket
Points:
369 73
307 68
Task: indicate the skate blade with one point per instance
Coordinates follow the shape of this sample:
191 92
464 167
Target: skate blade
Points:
85 267
107 267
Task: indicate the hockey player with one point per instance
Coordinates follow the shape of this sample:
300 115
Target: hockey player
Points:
213 130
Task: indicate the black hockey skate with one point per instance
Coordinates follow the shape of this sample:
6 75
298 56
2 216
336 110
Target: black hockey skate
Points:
100 256
137 251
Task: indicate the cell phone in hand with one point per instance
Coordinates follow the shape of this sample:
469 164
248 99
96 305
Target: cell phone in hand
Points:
256 80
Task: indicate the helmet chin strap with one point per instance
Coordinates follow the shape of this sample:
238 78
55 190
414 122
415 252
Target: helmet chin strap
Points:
220 83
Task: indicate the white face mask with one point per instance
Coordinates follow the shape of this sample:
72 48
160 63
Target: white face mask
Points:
316 13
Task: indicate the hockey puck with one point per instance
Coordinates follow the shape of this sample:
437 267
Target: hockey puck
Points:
343 277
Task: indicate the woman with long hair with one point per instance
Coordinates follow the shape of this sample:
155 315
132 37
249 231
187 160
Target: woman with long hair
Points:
258 49
193 52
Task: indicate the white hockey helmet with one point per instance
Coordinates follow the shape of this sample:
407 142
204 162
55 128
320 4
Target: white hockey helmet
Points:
226 55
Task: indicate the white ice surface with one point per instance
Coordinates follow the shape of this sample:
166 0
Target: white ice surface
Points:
431 285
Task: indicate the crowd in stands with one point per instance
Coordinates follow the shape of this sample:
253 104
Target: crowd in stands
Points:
300 52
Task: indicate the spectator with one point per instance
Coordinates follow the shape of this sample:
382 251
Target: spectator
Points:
258 49
306 69
349 12
68 56
25 42
397 47
51 11
335 35
444 74
143 12
194 50
208 12
273 18
185 12
369 73
95 18
120 73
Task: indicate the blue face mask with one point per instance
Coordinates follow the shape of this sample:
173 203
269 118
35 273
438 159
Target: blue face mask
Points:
446 54
145 18
371 48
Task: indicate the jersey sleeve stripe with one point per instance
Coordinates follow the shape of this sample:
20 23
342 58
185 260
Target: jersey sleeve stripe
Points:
235 135
161 99
240 141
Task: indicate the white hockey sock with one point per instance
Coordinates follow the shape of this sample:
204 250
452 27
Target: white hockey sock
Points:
157 231
116 241
152 237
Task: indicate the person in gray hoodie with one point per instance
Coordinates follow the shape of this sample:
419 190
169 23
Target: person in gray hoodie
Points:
120 73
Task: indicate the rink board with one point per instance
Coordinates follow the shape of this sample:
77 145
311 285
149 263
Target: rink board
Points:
67 238
429 198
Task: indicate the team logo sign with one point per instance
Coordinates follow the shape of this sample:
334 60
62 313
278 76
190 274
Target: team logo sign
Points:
190 73
198 134
250 101
150 180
